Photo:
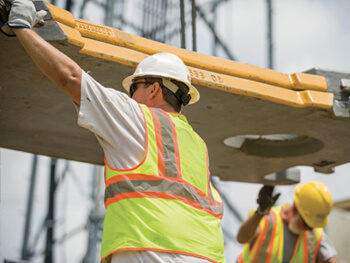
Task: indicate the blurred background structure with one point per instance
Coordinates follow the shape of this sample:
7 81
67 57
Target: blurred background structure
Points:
52 210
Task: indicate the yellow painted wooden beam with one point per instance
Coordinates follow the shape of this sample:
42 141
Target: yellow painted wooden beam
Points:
296 81
210 79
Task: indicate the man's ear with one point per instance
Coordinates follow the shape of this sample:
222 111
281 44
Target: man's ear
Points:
155 89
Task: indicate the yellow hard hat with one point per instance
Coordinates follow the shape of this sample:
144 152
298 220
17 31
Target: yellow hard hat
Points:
314 203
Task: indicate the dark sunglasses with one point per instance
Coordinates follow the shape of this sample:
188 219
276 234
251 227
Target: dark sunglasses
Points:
133 86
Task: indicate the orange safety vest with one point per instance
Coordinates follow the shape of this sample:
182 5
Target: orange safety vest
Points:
268 246
167 202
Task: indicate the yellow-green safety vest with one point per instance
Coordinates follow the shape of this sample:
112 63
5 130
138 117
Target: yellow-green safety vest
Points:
268 246
167 202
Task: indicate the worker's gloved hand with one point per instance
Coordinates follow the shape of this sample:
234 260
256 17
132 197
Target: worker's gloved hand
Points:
22 14
266 200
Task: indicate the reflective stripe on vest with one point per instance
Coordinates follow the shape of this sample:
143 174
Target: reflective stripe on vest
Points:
168 165
129 188
268 246
164 187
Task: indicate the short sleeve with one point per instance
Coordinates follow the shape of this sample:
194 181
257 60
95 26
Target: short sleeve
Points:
116 120
327 249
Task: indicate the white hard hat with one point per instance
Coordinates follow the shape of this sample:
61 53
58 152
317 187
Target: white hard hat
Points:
168 67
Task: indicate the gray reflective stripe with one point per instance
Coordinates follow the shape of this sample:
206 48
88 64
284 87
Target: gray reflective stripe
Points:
263 249
168 145
159 186
211 191
311 239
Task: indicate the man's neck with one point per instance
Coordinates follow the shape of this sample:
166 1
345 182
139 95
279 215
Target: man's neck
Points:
163 106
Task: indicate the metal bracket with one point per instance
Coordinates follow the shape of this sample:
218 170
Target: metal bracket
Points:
338 83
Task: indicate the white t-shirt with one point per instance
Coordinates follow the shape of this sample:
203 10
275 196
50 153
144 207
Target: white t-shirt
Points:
116 120
118 123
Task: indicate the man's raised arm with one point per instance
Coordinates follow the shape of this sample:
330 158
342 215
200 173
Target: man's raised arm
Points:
58 67
62 70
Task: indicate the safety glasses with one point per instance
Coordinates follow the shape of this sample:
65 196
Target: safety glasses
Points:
133 87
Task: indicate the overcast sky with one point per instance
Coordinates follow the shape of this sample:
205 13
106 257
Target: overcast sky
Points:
307 34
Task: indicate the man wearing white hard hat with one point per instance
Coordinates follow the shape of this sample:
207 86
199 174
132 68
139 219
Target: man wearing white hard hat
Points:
291 232
160 204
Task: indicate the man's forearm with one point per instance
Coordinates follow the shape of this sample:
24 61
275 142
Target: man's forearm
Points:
248 229
62 70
